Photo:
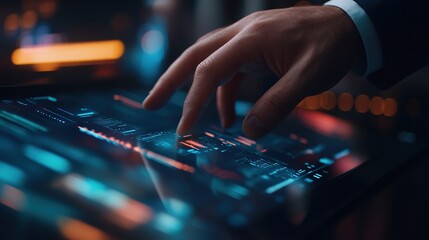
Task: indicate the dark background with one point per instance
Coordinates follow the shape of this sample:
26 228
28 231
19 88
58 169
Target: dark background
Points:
397 211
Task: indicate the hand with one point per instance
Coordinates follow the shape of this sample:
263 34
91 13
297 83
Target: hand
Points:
309 48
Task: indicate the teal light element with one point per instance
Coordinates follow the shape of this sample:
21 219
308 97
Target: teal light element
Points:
11 174
12 128
176 207
47 159
326 161
50 98
237 220
342 154
96 191
308 180
23 121
167 223
242 108
87 114
279 186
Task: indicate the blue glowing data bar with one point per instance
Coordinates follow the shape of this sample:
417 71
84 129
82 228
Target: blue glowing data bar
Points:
279 186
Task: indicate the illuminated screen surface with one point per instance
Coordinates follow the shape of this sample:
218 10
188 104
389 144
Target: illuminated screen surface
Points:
103 152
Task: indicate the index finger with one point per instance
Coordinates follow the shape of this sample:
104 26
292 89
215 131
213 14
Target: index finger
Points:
210 73
176 75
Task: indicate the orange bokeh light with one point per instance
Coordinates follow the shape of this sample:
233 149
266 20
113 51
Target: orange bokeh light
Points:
345 102
69 53
11 23
362 103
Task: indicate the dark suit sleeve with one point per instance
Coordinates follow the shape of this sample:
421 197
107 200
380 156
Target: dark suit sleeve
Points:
403 29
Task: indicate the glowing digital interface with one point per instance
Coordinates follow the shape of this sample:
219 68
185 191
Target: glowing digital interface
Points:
102 152
267 166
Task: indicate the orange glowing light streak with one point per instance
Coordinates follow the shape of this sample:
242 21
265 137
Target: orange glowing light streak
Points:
137 149
76 229
196 144
243 142
131 214
209 134
326 124
127 145
170 162
112 140
189 145
127 101
247 140
64 54
231 143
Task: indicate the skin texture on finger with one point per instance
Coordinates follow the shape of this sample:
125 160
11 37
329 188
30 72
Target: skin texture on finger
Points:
178 73
209 34
309 48
274 106
318 67
225 100
221 65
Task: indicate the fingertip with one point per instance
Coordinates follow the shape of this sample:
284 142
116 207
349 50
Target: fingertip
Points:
154 102
253 127
181 129
148 104
145 103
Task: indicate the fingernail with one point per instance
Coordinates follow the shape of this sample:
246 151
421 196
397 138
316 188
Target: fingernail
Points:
179 130
254 128
144 103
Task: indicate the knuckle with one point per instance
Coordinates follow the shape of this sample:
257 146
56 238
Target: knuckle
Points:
191 104
257 26
257 31
256 15
190 51
216 32
202 69
207 35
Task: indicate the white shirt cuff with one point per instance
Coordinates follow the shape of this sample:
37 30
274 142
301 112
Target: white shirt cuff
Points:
366 29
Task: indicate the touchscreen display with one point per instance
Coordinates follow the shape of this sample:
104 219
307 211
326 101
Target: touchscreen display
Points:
235 170
100 158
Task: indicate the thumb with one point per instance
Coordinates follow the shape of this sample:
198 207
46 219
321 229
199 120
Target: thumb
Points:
274 106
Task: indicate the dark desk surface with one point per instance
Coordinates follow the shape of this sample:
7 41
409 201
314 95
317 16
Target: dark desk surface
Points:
400 210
